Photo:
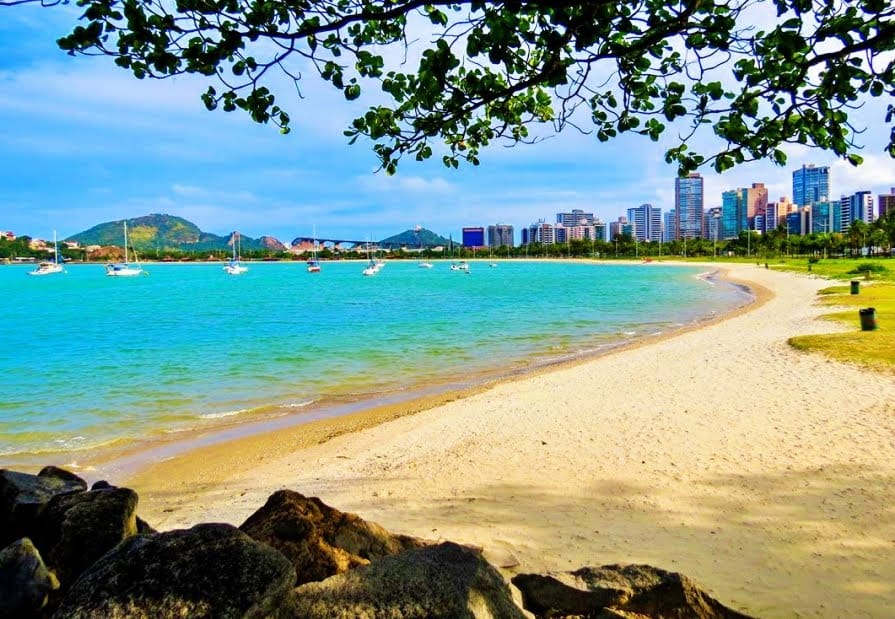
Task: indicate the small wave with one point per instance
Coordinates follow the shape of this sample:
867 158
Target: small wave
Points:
629 333
302 404
220 415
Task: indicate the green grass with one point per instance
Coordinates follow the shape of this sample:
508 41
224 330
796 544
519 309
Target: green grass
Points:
872 348
881 269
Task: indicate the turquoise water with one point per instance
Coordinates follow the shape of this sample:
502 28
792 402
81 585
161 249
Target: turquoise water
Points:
89 359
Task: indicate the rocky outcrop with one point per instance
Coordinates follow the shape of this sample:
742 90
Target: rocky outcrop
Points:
75 530
321 541
24 496
446 580
210 570
619 590
110 563
25 582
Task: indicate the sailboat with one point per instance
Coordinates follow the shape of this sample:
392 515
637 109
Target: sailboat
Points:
46 267
124 269
313 263
491 255
371 264
234 267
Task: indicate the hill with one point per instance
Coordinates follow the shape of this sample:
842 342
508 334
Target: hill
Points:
419 237
166 232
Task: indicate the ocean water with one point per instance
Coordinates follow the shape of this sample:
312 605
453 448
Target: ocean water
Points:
90 360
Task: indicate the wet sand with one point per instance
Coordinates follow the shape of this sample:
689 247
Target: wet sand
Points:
763 473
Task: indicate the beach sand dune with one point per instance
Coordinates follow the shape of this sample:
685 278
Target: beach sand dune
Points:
765 474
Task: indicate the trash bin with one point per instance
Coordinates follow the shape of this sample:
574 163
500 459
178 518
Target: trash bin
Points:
868 318
855 286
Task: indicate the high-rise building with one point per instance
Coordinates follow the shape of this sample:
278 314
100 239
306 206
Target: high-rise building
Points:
794 223
810 184
599 230
688 206
576 218
646 221
713 224
620 227
473 237
775 214
755 200
731 207
886 203
500 234
739 208
539 232
669 220
858 206
822 217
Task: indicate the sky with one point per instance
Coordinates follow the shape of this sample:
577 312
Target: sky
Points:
83 142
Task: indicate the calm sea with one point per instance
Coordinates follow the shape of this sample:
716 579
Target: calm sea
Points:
89 360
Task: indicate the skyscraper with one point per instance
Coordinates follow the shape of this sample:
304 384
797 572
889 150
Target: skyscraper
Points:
473 237
810 184
755 200
688 206
886 203
731 207
500 234
576 218
646 220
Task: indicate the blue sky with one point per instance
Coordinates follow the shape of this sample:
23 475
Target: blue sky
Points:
83 142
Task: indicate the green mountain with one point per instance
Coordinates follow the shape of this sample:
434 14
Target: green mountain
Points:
165 232
412 239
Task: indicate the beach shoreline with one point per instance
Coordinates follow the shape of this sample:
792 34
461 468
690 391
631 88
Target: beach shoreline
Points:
125 458
765 474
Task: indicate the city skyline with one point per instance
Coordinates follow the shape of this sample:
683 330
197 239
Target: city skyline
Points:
84 142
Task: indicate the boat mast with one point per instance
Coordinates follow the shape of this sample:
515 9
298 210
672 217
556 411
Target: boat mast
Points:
125 241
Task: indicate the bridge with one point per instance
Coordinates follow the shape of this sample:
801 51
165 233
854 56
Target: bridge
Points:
308 242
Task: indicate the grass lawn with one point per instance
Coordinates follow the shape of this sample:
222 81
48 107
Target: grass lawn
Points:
881 269
872 348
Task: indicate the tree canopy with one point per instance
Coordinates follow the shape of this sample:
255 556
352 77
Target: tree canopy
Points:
759 74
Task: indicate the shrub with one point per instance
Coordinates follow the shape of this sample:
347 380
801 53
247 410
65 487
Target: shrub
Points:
863 267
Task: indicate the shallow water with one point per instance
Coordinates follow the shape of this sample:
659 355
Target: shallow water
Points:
90 359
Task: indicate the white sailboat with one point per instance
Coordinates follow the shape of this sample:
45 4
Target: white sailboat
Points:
124 269
371 264
234 267
313 263
46 267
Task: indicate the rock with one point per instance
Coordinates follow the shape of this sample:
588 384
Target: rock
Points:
446 580
211 570
25 582
23 496
74 530
619 591
321 541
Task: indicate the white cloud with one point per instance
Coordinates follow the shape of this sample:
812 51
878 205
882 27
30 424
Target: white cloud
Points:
381 182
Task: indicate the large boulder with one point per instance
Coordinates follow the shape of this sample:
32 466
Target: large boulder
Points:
211 570
446 580
25 582
74 530
321 541
23 496
619 590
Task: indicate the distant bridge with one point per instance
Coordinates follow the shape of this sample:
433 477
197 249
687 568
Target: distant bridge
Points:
308 241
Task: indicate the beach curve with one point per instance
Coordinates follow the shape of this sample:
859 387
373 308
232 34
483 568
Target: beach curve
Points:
763 473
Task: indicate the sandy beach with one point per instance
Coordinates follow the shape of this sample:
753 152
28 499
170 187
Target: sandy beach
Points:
765 474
